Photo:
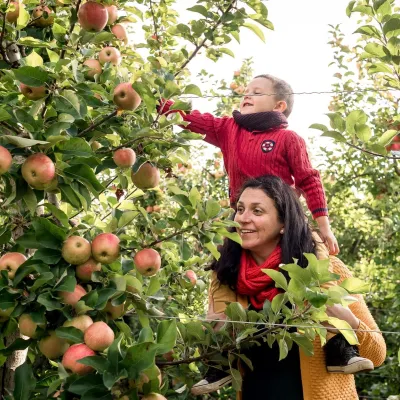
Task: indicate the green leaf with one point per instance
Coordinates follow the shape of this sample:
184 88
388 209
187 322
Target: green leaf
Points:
76 147
25 382
171 89
85 174
355 117
277 302
59 214
31 76
30 200
99 363
283 349
70 333
30 41
53 56
224 50
34 60
337 122
392 28
193 89
363 132
369 30
139 357
387 137
49 302
236 379
49 234
23 18
256 30
68 103
316 298
68 284
166 336
199 9
303 342
212 248
356 285
377 148
334 135
278 277
4 115
181 105
375 49
212 208
48 256
42 279
345 329
154 286
320 127
22 142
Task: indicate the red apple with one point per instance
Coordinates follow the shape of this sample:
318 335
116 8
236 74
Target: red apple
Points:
38 170
27 326
33 93
75 353
105 248
92 16
236 73
191 275
52 346
124 158
12 16
99 336
110 55
85 270
126 97
72 298
95 68
120 33
5 160
147 262
240 89
76 250
42 20
11 262
112 14
96 145
146 177
233 85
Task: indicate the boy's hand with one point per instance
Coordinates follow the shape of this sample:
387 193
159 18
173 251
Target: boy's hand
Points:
327 235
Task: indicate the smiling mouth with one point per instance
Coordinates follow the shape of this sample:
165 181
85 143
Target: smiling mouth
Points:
246 231
247 105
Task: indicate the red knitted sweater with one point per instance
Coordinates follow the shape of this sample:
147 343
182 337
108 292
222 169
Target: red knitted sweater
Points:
280 152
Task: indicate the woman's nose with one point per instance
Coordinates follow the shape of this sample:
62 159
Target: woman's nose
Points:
243 217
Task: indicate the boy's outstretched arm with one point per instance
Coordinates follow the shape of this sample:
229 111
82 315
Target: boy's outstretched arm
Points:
214 128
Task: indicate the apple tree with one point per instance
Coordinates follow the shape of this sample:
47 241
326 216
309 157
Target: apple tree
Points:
362 174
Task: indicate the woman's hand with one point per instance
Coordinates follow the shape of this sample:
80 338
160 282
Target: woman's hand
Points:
213 316
343 313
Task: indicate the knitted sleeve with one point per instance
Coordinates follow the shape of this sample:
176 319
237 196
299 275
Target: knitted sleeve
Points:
306 178
206 124
372 344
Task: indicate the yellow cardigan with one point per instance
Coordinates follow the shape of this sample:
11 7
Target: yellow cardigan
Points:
317 383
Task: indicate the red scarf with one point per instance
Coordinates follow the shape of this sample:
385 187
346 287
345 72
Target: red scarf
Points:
254 283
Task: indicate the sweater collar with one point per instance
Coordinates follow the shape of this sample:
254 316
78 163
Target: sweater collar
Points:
260 122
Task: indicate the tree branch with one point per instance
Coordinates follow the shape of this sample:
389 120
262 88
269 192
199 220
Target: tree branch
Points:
199 46
71 28
3 29
371 152
95 125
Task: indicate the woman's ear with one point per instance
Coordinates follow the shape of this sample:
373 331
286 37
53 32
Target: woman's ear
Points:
282 231
280 106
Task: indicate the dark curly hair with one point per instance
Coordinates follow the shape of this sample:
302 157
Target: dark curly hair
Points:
296 239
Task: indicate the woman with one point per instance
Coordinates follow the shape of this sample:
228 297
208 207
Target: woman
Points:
274 231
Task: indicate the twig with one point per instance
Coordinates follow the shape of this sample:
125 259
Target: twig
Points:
199 46
170 236
155 27
371 152
127 144
71 28
94 126
11 128
3 29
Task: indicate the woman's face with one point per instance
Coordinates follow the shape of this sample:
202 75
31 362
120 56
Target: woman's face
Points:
259 223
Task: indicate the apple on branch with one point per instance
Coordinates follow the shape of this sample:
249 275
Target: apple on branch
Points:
72 298
126 97
147 262
124 158
92 16
52 346
39 171
84 271
110 55
112 14
5 160
13 15
75 353
120 33
99 336
94 68
147 176
43 16
76 250
10 262
105 248
32 92
27 326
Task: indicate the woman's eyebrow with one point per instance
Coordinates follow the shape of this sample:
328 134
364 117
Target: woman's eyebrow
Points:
252 204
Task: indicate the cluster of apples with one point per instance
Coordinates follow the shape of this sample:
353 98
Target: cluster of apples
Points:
42 15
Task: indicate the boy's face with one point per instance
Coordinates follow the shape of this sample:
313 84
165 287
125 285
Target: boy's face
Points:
256 98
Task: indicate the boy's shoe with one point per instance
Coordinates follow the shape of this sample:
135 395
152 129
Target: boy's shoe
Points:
343 358
214 380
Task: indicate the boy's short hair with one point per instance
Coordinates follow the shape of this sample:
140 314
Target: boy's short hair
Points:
283 91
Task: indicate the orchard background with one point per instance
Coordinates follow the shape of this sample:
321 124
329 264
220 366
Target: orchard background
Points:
75 96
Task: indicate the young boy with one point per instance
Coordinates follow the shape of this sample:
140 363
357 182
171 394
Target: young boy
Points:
255 142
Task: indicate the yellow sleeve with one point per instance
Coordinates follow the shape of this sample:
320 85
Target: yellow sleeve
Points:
219 295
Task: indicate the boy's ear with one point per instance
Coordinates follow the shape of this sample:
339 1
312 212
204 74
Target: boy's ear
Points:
280 106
